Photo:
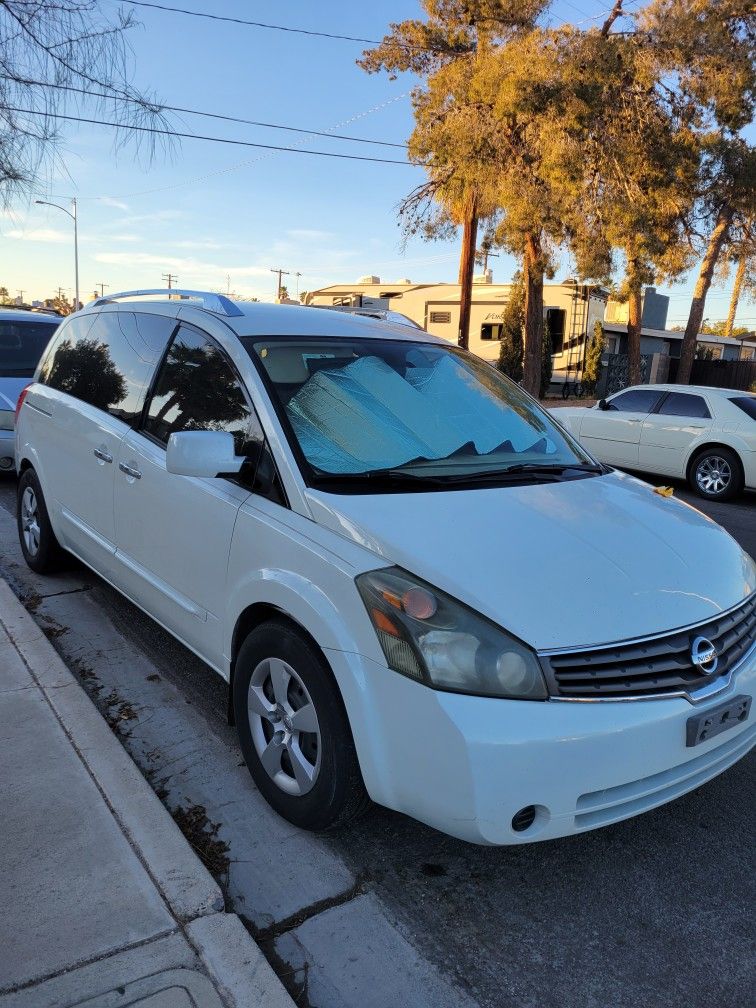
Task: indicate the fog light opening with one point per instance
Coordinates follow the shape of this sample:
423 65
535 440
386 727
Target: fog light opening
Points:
6 462
524 819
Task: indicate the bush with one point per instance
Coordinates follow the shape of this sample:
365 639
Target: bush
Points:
593 359
511 345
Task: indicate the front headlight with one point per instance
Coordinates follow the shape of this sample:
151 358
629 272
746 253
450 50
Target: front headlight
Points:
6 419
436 640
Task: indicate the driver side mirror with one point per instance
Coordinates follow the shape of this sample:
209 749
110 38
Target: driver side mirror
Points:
202 453
603 404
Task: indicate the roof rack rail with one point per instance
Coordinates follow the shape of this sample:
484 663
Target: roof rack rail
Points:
218 304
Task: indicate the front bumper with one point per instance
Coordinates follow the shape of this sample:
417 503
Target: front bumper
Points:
465 765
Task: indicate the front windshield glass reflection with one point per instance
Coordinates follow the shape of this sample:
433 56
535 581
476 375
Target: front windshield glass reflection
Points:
369 406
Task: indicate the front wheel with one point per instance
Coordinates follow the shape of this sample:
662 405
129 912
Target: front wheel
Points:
293 729
716 474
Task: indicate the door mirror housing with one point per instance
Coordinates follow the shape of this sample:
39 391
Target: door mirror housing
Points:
202 453
603 404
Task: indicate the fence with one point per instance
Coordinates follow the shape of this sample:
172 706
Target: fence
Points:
724 374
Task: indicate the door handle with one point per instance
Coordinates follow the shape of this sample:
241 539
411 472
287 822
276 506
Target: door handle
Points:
103 455
129 470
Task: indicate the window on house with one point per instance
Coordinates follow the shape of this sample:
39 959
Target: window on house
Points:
491 331
555 321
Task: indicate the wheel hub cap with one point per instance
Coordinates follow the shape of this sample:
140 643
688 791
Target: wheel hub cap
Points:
284 726
713 475
30 521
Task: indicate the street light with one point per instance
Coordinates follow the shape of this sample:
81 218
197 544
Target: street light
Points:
76 239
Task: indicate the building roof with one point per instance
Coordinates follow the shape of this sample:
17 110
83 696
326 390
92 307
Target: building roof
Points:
676 334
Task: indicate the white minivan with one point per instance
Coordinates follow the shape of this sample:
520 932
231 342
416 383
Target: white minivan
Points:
419 587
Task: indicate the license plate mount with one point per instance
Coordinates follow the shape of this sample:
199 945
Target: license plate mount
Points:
716 720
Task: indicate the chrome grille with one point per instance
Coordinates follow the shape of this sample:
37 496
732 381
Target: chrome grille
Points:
653 667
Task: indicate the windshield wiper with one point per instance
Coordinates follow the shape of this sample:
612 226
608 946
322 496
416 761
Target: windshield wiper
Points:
556 468
523 472
381 475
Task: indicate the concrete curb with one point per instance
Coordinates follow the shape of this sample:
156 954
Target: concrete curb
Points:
228 952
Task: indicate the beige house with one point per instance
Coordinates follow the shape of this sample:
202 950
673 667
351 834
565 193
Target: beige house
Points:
571 309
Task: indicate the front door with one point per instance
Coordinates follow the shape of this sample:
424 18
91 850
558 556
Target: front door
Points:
613 435
174 532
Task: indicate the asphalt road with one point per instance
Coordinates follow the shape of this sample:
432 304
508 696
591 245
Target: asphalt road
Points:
654 911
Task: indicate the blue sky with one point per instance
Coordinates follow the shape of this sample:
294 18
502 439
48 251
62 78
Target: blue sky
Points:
216 215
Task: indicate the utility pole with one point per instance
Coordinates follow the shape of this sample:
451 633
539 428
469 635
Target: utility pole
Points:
280 273
169 278
102 287
484 253
21 296
228 284
60 293
297 275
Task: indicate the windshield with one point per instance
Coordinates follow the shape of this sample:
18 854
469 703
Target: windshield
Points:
406 411
22 342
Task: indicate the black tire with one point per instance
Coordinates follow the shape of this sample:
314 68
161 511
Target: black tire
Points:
337 793
710 464
42 551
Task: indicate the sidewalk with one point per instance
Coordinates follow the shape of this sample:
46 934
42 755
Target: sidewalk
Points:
104 903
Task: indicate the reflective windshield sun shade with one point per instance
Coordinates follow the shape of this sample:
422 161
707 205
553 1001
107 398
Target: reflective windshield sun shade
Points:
419 410
366 416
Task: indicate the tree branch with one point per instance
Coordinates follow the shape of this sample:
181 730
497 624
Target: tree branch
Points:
615 12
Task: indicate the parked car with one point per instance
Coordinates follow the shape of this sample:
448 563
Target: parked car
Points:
24 335
706 436
419 587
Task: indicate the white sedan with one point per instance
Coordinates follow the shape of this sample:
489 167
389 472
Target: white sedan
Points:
704 435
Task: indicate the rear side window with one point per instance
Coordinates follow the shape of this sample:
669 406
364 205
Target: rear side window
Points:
685 405
22 342
747 404
197 389
107 360
635 401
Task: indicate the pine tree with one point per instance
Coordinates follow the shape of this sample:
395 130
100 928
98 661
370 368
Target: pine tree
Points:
513 320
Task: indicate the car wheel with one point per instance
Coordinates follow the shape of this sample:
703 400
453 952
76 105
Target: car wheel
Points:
716 474
293 729
41 549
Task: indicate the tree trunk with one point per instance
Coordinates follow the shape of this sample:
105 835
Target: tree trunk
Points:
739 275
533 348
635 314
466 268
695 317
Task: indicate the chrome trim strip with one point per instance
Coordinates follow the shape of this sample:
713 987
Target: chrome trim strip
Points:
549 652
700 695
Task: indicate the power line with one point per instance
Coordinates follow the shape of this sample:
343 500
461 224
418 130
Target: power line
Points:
256 160
254 24
158 106
211 139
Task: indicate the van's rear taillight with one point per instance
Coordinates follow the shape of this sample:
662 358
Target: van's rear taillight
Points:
21 398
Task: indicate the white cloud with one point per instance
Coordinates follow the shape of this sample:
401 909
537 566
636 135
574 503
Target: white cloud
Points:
309 234
49 235
109 201
185 267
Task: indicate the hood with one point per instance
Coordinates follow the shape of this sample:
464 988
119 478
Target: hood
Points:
10 390
572 564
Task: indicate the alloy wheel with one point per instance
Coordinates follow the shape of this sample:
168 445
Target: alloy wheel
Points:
713 475
284 726
30 521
